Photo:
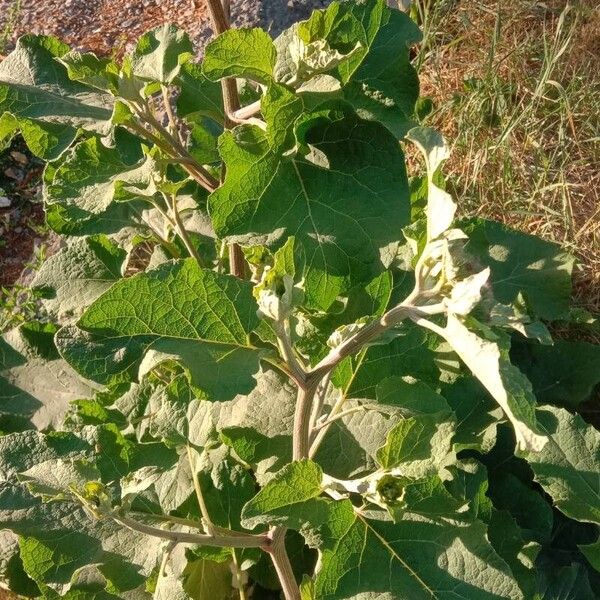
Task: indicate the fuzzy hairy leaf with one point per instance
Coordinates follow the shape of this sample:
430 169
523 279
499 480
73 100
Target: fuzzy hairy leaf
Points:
354 53
411 559
342 214
246 53
182 312
90 180
159 53
35 383
485 352
568 467
76 275
35 89
518 262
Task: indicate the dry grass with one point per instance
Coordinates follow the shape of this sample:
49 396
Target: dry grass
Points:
516 90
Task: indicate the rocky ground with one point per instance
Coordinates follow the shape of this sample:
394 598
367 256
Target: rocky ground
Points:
105 27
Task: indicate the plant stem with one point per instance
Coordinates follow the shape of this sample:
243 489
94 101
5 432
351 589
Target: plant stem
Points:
198 489
181 230
302 434
237 262
176 149
282 330
220 539
283 567
169 110
368 333
238 575
219 18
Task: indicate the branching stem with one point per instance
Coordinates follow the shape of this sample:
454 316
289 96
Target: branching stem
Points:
283 567
208 525
180 229
220 539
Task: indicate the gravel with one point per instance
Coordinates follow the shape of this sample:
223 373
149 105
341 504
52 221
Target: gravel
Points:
112 26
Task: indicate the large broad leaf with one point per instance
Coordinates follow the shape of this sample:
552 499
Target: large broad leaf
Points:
247 53
485 353
357 53
420 441
343 211
564 374
159 53
420 558
75 276
198 95
177 311
258 426
568 467
91 177
36 385
61 539
50 108
477 415
522 263
412 353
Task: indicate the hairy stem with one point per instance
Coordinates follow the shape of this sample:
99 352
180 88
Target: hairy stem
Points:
208 525
283 567
282 330
219 17
176 149
222 539
369 333
181 230
302 433
170 115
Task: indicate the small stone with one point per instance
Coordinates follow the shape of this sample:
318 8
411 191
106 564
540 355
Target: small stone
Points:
19 157
4 202
13 173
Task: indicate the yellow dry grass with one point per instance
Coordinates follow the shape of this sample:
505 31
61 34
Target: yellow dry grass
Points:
516 91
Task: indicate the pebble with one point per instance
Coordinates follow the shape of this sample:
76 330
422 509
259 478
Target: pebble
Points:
4 202
19 157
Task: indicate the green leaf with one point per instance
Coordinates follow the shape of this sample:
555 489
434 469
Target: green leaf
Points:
568 467
36 90
22 451
477 415
412 353
359 52
77 274
115 338
506 538
245 53
592 553
342 213
289 499
91 177
280 108
259 430
61 539
11 567
198 95
538 269
87 68
530 510
159 53
485 353
409 560
34 381
420 442
564 374
440 206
